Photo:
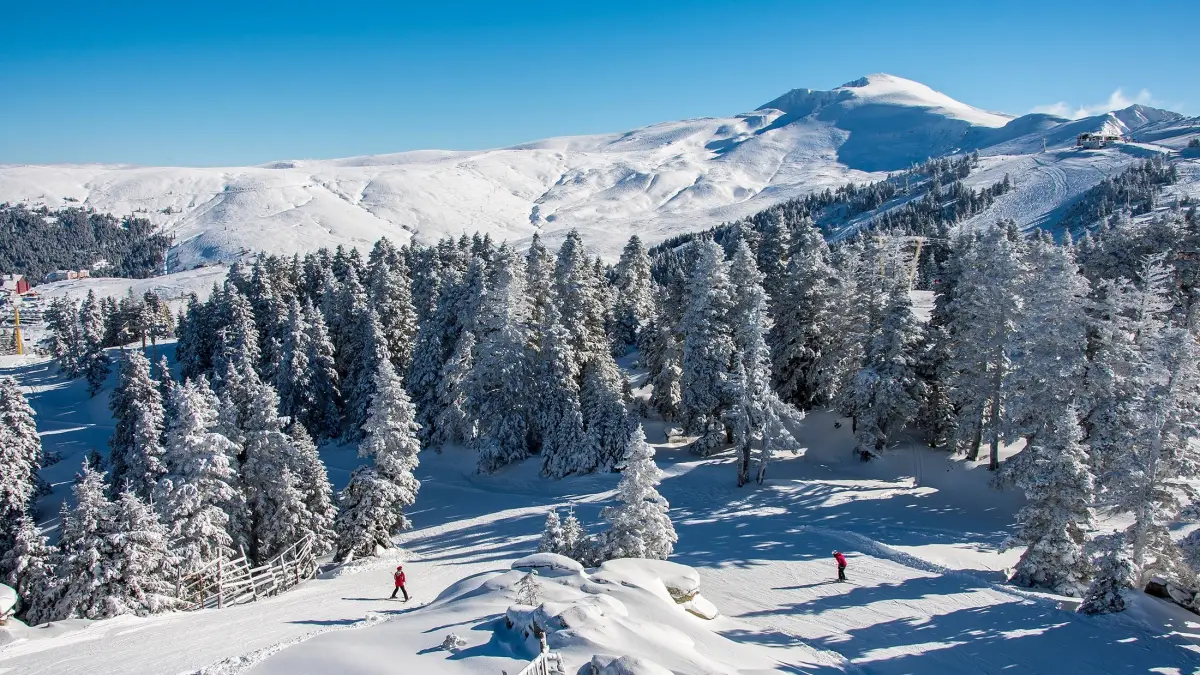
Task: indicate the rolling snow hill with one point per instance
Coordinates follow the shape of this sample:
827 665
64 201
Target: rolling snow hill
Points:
656 181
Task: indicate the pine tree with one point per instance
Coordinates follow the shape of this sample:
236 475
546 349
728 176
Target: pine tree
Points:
270 318
1148 452
1054 474
136 443
757 413
707 347
987 311
566 447
579 300
577 545
640 526
322 417
313 482
373 504
95 361
391 297
20 457
27 567
552 540
200 488
634 302
498 390
370 347
137 570
454 424
529 593
539 278
66 336
887 392
803 338
292 374
82 550
602 402
1114 571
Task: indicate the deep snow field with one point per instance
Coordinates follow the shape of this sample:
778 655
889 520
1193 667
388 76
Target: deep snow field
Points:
921 531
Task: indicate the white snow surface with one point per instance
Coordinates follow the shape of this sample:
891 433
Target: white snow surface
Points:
656 181
551 561
921 531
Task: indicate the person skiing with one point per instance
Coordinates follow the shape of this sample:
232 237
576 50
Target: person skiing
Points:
841 563
399 577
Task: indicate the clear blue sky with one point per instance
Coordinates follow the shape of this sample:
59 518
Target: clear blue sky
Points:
222 83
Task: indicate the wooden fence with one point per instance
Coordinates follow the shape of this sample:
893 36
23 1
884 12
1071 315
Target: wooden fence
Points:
546 663
224 582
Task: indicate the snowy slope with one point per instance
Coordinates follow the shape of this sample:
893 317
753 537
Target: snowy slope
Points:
921 531
656 181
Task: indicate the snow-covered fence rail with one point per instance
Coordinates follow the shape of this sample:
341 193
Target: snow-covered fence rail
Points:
225 582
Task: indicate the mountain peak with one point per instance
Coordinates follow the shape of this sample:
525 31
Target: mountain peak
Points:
883 89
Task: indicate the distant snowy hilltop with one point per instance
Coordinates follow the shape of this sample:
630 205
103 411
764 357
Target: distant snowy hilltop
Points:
656 181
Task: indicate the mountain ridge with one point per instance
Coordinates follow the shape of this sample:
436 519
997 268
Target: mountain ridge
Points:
657 181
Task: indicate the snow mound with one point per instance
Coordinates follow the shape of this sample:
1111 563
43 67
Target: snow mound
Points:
618 620
626 665
551 561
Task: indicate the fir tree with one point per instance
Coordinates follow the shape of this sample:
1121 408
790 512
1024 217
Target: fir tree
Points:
557 418
552 540
95 361
707 347
20 456
498 390
391 297
454 424
321 377
803 337
634 301
200 488
1114 571
313 482
602 402
1054 474
640 526
136 443
887 392
373 503
580 300
27 567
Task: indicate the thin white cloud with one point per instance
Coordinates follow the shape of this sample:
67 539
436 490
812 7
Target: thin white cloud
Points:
1116 101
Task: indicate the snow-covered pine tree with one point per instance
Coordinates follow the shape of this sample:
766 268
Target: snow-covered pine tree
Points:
577 545
82 547
804 312
270 317
757 413
27 566
322 417
292 374
1052 339
313 482
529 592
602 402
1114 573
390 294
1052 526
136 444
580 300
66 336
279 515
498 389
454 424
707 347
95 361
887 391
987 310
556 417
200 488
1146 449
237 338
373 503
539 279
552 540
20 456
370 347
634 301
137 571
166 388
640 526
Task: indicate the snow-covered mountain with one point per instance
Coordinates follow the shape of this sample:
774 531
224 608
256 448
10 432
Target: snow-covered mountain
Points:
656 181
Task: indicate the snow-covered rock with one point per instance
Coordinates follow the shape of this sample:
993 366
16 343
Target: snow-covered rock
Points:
551 561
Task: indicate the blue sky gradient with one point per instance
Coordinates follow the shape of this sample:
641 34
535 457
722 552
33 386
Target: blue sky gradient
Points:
238 83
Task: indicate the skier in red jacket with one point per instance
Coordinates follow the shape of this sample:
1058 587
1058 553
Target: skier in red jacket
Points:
399 577
841 563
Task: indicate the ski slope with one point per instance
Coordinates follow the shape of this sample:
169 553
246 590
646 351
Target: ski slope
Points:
920 529
656 181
